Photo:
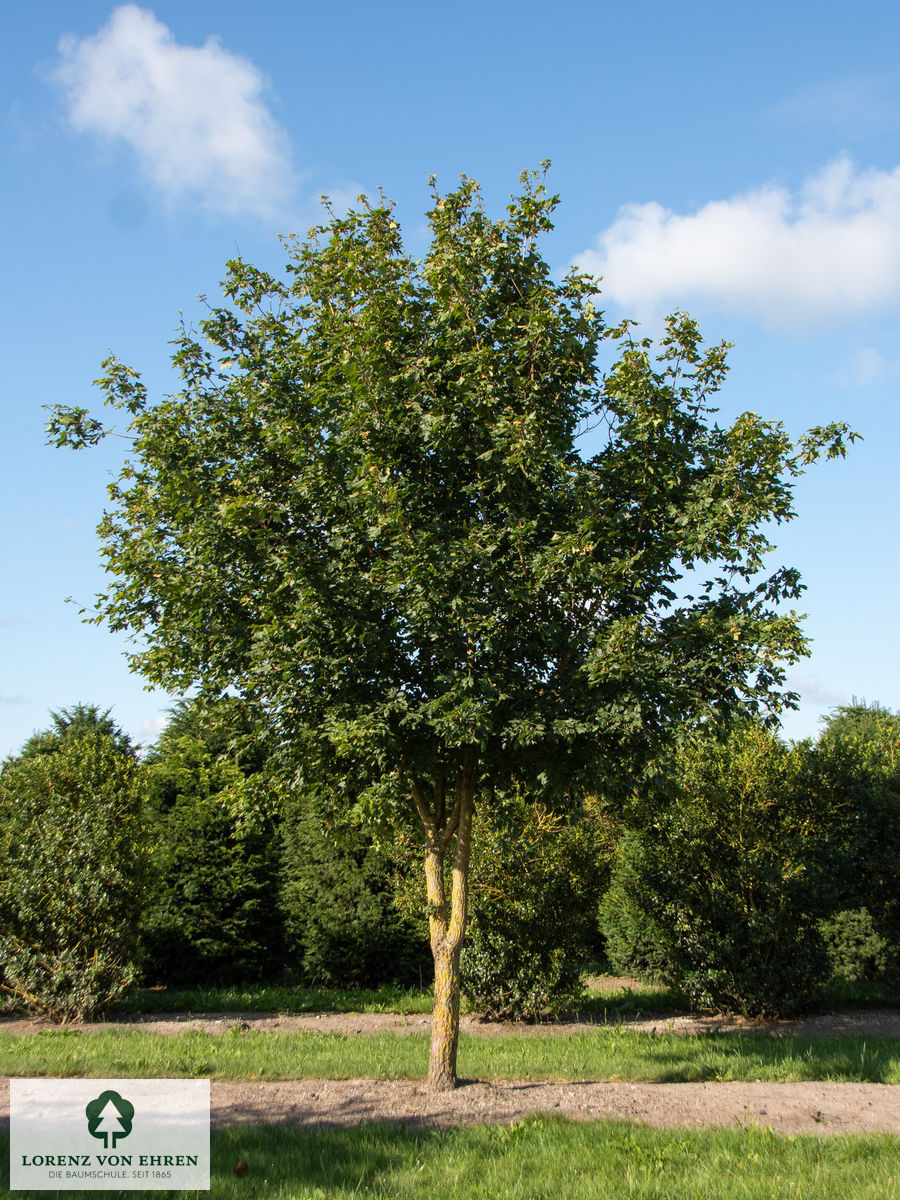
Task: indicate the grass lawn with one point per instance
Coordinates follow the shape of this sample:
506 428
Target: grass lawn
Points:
276 998
539 1158
597 1001
604 1053
542 1158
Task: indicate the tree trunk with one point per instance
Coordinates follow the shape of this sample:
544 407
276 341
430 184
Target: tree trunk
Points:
447 923
444 1021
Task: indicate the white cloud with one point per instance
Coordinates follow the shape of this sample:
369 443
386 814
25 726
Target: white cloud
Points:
14 619
806 259
193 115
867 367
153 726
813 691
853 106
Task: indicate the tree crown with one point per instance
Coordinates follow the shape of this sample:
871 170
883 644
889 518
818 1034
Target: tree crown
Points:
366 511
72 725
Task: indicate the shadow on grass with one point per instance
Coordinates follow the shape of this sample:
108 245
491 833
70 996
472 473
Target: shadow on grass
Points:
604 1053
649 1000
643 1000
671 1058
600 1004
262 998
279 1161
542 1158
745 1057
840 994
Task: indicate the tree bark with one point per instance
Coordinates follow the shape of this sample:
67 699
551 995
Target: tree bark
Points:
444 1021
447 925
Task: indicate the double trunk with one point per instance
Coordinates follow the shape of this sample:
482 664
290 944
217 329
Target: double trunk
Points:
447 916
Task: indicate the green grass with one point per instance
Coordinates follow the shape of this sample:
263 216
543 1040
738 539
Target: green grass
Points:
605 1053
539 1159
259 998
633 1000
640 998
865 994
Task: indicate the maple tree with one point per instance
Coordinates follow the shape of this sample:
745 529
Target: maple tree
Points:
366 511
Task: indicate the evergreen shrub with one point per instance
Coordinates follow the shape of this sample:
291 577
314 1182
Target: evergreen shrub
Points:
860 747
725 879
857 951
214 917
73 869
535 879
342 921
634 943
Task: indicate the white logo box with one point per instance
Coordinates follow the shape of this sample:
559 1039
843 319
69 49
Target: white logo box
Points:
109 1133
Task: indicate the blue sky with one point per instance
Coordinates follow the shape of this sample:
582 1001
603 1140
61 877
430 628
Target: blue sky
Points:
739 162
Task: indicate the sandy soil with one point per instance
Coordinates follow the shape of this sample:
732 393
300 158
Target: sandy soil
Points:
868 1022
822 1108
784 1107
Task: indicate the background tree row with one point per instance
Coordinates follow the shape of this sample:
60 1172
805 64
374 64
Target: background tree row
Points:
743 873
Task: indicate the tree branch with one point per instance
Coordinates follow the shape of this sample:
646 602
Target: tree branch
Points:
425 814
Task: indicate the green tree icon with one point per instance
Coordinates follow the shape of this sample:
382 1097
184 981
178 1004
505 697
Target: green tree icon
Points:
109 1116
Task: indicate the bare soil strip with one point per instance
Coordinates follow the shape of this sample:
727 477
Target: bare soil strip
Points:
785 1108
869 1022
823 1108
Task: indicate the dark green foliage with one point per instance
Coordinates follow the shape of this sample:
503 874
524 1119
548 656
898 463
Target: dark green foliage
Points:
535 880
765 867
864 722
70 724
727 873
214 916
861 746
344 928
857 952
634 943
73 853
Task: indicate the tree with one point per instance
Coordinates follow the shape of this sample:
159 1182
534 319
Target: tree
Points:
338 896
214 914
860 745
73 854
366 511
862 722
79 721
729 868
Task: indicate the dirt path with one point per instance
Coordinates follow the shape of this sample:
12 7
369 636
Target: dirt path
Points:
823 1108
868 1022
784 1107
